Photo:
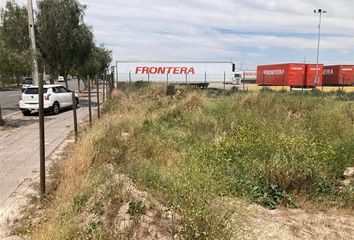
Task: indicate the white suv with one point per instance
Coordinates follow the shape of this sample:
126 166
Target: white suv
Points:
55 98
60 79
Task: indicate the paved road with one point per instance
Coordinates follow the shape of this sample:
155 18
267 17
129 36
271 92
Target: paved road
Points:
19 154
9 98
9 101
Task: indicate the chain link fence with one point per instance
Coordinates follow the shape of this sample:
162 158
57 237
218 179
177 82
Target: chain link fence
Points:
177 78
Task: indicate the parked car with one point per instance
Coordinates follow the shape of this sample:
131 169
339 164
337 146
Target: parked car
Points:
60 79
56 97
26 82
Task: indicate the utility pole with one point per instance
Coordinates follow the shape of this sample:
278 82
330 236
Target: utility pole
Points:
33 42
40 97
320 11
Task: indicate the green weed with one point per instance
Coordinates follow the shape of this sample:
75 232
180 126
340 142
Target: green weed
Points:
195 150
136 208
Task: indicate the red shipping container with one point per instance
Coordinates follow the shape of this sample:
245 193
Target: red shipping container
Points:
290 74
338 75
311 75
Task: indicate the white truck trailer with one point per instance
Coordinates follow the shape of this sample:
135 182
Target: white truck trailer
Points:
200 73
249 76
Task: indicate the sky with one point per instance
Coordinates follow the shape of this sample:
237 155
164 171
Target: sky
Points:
247 32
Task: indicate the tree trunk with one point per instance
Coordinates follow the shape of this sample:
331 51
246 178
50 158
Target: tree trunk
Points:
17 80
78 85
2 85
2 122
66 82
85 83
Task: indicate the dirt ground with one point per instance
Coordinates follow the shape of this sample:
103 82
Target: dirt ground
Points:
296 224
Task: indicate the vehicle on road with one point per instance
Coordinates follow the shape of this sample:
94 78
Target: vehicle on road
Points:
197 73
26 82
60 79
295 75
338 75
56 97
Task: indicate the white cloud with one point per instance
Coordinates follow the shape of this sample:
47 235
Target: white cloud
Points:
188 29
222 29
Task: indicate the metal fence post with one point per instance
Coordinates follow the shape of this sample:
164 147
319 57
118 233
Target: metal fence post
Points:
74 114
103 88
106 88
263 80
109 89
322 83
98 97
167 78
111 86
148 77
205 77
89 101
186 78
130 76
224 81
112 80
106 85
41 137
117 76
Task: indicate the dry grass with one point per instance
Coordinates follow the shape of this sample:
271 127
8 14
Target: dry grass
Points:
92 197
193 151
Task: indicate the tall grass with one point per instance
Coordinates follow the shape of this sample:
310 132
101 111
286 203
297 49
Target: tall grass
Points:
270 148
197 150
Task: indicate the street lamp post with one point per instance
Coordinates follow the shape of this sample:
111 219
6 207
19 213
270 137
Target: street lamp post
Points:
320 11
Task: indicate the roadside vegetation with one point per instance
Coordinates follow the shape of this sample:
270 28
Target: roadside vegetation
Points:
65 43
190 155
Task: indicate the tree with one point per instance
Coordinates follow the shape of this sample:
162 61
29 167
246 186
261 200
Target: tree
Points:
15 58
15 26
96 63
65 41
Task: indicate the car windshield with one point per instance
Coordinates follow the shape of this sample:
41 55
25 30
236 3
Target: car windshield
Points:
27 81
34 90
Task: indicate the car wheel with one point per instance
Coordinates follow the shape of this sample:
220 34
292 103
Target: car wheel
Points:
56 108
26 112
